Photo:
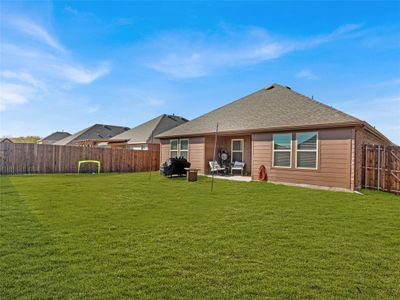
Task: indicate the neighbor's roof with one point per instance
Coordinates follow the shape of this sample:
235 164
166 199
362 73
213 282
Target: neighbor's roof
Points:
144 132
276 106
96 131
55 136
5 139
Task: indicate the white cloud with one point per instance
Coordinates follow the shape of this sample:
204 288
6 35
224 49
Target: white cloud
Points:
79 74
23 77
34 30
14 94
189 55
306 74
37 68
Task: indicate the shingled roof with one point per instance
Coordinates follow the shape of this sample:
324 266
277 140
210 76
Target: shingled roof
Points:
96 131
273 107
144 132
54 137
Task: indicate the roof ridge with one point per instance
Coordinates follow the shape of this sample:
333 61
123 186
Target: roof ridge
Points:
155 127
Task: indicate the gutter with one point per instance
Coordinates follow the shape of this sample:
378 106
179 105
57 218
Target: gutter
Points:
270 129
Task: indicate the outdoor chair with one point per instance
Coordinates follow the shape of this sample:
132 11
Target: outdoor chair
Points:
215 167
238 166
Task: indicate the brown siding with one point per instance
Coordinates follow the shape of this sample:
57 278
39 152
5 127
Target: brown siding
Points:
334 160
363 137
164 150
225 142
196 152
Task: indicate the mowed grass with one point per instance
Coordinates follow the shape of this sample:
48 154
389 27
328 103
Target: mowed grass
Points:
114 236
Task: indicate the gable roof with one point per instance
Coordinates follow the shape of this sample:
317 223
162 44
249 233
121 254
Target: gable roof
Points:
5 139
144 132
55 136
270 108
96 131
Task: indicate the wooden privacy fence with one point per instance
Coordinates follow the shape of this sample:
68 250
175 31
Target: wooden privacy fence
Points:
34 158
381 168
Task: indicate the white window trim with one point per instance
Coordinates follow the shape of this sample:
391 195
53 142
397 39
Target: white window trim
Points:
179 147
316 150
282 150
242 151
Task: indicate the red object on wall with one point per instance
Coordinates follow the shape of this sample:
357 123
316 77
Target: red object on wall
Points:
262 173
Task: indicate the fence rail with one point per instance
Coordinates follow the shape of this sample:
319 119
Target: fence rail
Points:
16 158
381 168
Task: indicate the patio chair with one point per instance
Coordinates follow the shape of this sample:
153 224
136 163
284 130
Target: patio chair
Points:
215 167
238 166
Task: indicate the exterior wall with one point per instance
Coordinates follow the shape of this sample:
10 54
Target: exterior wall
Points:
225 142
363 137
164 150
334 160
196 152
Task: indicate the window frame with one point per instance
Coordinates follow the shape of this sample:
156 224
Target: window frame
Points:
316 150
241 151
180 150
177 148
282 150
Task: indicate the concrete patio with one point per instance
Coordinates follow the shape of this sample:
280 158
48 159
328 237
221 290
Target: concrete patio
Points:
232 177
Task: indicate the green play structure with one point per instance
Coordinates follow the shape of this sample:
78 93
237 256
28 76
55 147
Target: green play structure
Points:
89 161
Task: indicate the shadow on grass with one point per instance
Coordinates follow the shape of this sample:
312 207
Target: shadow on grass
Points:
31 266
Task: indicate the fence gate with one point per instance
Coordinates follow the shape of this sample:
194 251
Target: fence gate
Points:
381 168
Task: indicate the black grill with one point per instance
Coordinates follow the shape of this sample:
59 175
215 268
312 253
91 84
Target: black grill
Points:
174 166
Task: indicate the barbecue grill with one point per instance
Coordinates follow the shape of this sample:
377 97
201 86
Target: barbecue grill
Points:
174 166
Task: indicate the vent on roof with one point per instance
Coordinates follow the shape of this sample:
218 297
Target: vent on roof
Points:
270 87
107 127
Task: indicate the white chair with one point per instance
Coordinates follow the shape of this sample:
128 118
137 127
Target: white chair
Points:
215 167
238 166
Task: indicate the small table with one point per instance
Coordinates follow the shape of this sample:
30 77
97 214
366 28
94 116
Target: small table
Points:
191 174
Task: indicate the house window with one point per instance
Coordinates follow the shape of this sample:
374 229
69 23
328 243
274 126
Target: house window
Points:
237 150
282 151
307 150
173 148
184 148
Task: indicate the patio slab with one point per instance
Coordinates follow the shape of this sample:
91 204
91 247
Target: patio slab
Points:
234 177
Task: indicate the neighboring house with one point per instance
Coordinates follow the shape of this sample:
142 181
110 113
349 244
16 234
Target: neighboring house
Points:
6 140
54 137
297 139
142 137
96 131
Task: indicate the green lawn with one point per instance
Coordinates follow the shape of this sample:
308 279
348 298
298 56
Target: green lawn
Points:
121 236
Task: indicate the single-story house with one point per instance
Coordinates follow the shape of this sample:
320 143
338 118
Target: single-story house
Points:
142 137
297 139
96 131
6 140
54 137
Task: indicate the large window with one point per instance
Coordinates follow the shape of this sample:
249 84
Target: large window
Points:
282 151
184 148
307 150
173 148
179 148
237 150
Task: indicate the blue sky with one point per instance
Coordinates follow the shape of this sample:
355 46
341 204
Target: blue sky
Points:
67 65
